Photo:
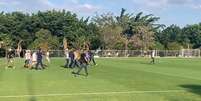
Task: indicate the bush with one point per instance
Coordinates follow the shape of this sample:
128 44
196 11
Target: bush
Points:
174 46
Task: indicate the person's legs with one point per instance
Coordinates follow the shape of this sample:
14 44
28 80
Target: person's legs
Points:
37 64
73 63
66 64
48 59
10 63
79 70
30 64
76 63
70 64
25 63
41 64
82 65
79 66
93 60
85 69
152 60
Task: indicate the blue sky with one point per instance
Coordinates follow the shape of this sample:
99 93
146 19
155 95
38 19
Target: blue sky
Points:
180 12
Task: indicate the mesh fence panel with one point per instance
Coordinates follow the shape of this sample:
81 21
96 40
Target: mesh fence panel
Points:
130 53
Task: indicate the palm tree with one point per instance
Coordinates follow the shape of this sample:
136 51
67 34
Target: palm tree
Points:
137 24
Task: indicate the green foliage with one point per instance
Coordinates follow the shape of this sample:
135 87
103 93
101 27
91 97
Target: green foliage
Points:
174 46
45 40
158 46
19 26
169 35
192 35
119 46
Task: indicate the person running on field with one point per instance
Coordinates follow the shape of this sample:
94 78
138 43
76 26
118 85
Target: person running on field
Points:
10 60
27 58
66 52
152 57
47 56
92 57
77 56
82 65
39 60
71 59
34 59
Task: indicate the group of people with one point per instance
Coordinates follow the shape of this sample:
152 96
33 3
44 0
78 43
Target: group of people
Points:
74 58
79 58
35 59
32 60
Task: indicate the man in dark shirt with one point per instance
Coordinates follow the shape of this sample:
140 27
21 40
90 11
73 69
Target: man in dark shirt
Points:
39 59
92 57
71 59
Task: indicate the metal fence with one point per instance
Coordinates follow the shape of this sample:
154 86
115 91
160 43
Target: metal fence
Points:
142 53
133 53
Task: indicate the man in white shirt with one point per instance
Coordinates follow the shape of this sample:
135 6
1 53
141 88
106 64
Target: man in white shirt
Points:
27 58
47 56
66 52
152 57
34 58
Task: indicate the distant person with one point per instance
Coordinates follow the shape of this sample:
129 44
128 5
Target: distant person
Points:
82 65
88 56
27 58
152 57
39 60
47 56
77 56
10 60
34 59
91 54
66 52
71 59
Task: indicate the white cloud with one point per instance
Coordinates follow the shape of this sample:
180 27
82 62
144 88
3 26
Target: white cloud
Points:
86 8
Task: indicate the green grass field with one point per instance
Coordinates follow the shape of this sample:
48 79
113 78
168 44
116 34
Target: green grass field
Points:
114 79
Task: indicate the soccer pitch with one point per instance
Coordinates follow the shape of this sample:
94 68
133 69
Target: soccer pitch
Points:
113 79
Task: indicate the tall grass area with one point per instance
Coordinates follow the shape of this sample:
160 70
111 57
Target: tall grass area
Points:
113 79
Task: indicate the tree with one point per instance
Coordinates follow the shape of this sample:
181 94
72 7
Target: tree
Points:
192 35
132 25
45 40
169 35
109 29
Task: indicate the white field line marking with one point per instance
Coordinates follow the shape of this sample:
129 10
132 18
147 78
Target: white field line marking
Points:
95 93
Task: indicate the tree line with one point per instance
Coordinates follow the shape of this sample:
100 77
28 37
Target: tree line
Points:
106 31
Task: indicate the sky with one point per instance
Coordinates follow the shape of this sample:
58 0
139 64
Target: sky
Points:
179 12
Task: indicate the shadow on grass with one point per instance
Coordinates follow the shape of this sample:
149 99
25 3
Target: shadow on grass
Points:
62 66
30 87
147 63
196 89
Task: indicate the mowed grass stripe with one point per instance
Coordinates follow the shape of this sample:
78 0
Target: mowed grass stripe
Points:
157 68
95 93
